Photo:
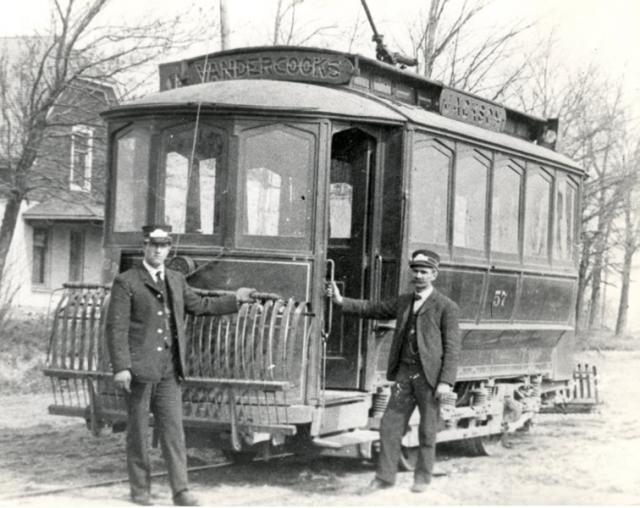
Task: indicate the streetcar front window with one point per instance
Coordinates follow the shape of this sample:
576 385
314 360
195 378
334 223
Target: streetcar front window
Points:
277 187
132 179
191 163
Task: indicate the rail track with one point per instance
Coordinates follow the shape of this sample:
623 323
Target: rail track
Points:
116 481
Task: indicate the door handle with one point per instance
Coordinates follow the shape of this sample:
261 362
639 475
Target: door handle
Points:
377 274
332 277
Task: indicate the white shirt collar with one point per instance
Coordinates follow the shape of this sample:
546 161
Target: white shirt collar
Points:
421 297
152 271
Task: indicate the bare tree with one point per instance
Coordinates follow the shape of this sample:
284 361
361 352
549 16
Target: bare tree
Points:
591 130
39 86
288 29
450 50
224 25
630 233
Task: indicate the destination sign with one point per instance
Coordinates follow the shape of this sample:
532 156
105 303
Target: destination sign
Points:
472 110
309 66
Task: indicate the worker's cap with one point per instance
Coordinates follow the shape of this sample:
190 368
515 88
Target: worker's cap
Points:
157 233
424 258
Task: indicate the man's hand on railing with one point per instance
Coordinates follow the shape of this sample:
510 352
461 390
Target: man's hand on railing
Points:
244 295
332 291
122 380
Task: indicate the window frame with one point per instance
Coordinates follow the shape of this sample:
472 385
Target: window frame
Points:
572 183
470 252
547 174
518 165
441 144
157 207
305 131
82 250
46 258
132 236
81 130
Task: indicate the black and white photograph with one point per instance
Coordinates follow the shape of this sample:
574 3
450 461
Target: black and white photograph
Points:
319 253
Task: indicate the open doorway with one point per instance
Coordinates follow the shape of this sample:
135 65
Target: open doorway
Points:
351 183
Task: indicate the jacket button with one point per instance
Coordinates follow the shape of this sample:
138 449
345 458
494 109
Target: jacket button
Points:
160 349
159 313
160 330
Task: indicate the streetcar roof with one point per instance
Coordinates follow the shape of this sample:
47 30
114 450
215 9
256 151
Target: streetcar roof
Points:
499 140
272 95
297 97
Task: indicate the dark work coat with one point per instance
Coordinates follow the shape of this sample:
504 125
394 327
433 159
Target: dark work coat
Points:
136 324
436 328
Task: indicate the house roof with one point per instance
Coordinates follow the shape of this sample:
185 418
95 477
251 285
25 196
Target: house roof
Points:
65 210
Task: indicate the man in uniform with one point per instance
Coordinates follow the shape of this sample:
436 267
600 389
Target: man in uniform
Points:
423 360
146 341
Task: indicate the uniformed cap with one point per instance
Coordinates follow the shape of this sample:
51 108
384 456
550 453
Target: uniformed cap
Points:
157 233
425 259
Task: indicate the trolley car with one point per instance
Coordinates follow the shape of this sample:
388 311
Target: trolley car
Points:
282 167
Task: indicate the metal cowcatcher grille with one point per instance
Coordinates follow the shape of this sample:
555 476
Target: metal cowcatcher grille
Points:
240 367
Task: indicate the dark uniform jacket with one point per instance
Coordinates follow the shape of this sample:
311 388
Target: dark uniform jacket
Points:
136 324
437 332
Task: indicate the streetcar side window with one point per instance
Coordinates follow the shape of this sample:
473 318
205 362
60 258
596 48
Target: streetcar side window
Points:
470 205
565 203
505 208
191 173
537 212
132 180
277 188
432 161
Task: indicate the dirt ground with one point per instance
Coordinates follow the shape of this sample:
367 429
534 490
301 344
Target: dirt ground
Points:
563 459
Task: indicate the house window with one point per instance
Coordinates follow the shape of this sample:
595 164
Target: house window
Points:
81 158
40 251
76 256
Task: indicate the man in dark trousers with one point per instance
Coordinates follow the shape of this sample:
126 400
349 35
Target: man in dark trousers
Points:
423 360
146 341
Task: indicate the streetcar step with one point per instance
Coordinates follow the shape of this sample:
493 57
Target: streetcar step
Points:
347 439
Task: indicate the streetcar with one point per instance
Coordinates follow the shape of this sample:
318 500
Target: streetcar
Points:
282 168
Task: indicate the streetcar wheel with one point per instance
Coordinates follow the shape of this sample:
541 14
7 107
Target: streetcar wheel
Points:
408 458
486 445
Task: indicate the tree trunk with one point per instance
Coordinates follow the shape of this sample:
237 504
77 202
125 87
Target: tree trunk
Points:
623 308
224 25
276 23
582 285
430 38
596 283
8 228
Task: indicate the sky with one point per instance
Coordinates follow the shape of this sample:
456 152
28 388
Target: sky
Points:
606 30
603 32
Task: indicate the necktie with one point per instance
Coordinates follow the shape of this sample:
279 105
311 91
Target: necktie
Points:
159 277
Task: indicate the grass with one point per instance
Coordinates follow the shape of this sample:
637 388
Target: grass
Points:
605 340
23 348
